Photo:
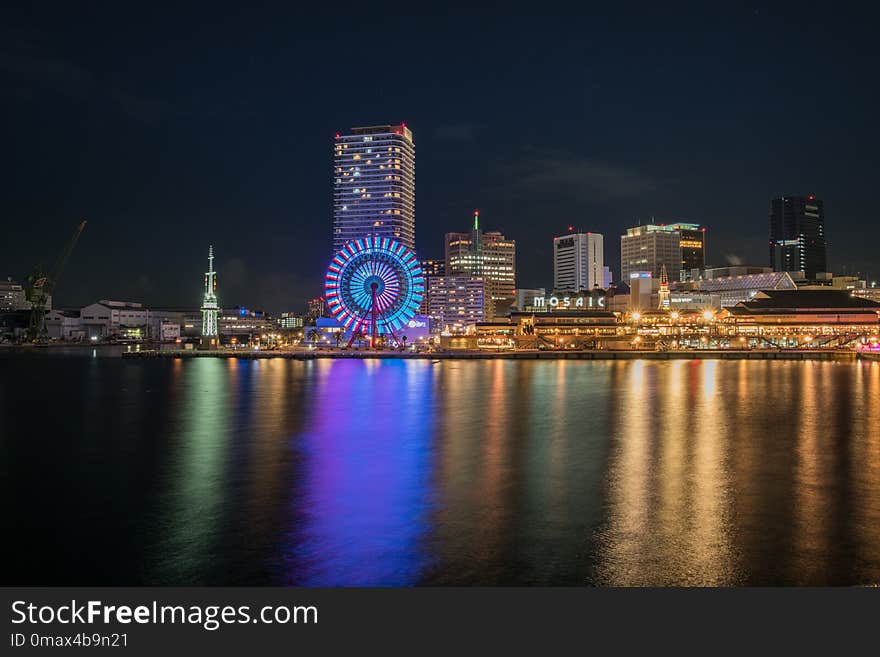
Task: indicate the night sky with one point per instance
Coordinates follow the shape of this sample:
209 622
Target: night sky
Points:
169 129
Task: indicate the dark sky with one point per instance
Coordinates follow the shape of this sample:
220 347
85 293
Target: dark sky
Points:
172 128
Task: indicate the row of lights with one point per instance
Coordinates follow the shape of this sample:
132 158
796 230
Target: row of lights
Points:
708 315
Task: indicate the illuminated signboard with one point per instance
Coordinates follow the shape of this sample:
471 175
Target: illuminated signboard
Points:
571 303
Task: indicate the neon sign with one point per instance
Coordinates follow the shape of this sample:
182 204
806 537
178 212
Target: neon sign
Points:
579 302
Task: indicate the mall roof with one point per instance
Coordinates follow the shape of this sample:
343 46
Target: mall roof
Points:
763 281
807 299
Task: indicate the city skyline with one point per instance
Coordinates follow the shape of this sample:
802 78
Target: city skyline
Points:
235 156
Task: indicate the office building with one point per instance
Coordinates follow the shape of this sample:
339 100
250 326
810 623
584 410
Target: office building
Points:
290 320
433 267
489 255
647 248
693 243
578 262
525 297
242 326
374 185
430 268
643 291
317 307
797 235
13 296
457 302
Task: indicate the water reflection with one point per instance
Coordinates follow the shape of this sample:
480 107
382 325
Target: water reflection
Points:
195 481
372 472
363 512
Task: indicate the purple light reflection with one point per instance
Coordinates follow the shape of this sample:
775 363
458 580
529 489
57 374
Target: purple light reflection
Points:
367 480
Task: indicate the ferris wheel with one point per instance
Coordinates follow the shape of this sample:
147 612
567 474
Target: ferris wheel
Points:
374 282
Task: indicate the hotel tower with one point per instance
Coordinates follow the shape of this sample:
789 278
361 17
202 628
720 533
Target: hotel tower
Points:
374 172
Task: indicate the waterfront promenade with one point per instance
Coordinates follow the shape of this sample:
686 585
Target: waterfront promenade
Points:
696 354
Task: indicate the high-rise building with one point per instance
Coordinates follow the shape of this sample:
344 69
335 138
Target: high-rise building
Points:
430 268
578 262
374 185
797 235
692 239
456 302
489 255
648 248
433 267
315 308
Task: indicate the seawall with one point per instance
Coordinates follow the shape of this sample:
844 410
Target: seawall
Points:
792 354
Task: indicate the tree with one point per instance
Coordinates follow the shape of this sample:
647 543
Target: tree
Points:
313 335
403 339
339 336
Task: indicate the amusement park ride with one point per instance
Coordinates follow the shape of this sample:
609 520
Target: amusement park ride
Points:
375 283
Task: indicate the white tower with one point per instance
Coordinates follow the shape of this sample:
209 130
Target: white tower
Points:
210 308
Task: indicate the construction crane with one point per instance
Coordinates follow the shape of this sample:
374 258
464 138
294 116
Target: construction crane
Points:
41 284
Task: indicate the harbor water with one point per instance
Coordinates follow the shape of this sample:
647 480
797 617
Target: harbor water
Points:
412 472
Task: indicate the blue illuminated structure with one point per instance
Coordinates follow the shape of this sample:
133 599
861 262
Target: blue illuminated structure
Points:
374 281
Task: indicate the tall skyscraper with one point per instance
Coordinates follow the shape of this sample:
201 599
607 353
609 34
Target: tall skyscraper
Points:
374 185
692 239
647 248
489 255
797 235
578 262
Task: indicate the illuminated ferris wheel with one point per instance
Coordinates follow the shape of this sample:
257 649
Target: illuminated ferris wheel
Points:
375 283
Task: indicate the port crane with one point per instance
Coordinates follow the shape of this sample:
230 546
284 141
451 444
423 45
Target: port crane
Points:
41 284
